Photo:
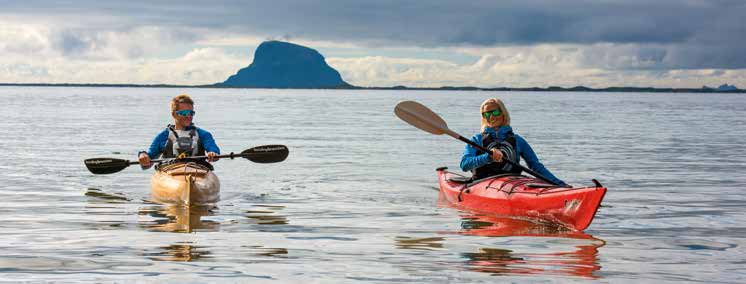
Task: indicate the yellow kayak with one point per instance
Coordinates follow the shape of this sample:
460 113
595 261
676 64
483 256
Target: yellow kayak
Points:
185 184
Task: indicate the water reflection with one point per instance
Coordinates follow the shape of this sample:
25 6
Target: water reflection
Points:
104 210
266 215
495 226
179 252
106 196
188 252
265 251
179 219
419 243
570 252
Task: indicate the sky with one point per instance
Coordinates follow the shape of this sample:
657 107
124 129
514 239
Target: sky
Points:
380 43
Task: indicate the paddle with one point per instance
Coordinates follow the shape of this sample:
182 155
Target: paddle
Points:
423 118
260 154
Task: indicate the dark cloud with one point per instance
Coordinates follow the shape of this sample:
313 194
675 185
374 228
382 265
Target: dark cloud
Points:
72 44
684 33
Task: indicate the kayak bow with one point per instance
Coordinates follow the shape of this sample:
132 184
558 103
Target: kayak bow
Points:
185 184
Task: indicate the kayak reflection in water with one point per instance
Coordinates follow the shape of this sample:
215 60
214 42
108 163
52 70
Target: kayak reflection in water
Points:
182 139
498 136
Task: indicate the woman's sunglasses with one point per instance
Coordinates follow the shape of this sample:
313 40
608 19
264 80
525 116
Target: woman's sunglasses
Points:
491 113
185 112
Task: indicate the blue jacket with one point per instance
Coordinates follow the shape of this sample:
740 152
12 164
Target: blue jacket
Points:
159 143
470 160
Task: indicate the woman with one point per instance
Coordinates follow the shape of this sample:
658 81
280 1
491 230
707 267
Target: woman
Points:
498 136
182 139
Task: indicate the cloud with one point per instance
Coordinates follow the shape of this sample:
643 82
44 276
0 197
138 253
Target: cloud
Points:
15 39
436 22
383 71
541 65
94 44
199 66
684 34
542 42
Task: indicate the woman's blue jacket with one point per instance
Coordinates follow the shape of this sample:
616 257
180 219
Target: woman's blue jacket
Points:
470 160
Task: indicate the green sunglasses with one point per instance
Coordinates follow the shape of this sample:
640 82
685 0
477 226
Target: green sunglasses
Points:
185 112
491 113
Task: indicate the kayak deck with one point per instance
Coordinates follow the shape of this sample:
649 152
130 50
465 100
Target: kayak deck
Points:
185 184
521 196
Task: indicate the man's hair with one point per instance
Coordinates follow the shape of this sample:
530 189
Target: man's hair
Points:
183 98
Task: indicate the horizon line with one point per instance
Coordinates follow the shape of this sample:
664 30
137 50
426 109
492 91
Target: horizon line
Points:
580 88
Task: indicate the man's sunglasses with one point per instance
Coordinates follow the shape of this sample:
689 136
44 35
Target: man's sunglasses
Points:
185 112
491 113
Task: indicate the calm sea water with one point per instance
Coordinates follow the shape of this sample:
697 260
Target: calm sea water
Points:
356 200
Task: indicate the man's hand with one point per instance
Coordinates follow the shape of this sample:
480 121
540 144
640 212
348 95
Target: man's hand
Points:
212 157
144 161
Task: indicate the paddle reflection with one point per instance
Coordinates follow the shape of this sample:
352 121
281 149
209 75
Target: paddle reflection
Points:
265 251
267 215
419 244
179 252
571 253
105 210
178 219
106 197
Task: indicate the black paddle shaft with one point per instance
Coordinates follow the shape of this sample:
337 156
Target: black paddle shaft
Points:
231 155
475 145
260 154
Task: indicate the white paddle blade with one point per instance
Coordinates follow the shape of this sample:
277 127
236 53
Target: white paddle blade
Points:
421 117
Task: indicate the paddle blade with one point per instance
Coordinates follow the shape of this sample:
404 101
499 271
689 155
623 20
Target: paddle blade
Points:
102 166
421 117
266 154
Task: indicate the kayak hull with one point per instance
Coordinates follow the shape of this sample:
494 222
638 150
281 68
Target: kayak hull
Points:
521 196
185 184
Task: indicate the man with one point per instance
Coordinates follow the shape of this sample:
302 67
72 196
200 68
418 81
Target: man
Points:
182 139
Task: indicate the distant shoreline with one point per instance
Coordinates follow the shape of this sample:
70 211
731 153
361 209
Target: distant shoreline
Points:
446 88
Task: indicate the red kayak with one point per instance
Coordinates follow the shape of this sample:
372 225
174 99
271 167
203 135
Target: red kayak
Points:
522 196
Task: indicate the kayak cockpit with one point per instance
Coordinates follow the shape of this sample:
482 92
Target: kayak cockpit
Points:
468 181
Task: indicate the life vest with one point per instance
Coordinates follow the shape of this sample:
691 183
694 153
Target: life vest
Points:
186 145
509 152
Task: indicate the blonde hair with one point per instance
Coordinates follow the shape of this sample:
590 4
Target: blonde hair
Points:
183 98
500 105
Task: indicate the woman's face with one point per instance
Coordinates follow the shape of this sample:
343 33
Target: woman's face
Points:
493 115
183 115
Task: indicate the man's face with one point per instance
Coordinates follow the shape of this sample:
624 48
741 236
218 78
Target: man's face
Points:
183 114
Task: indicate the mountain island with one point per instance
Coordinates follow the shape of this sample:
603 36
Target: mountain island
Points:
280 64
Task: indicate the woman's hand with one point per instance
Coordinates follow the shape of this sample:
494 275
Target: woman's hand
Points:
212 157
497 155
144 161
